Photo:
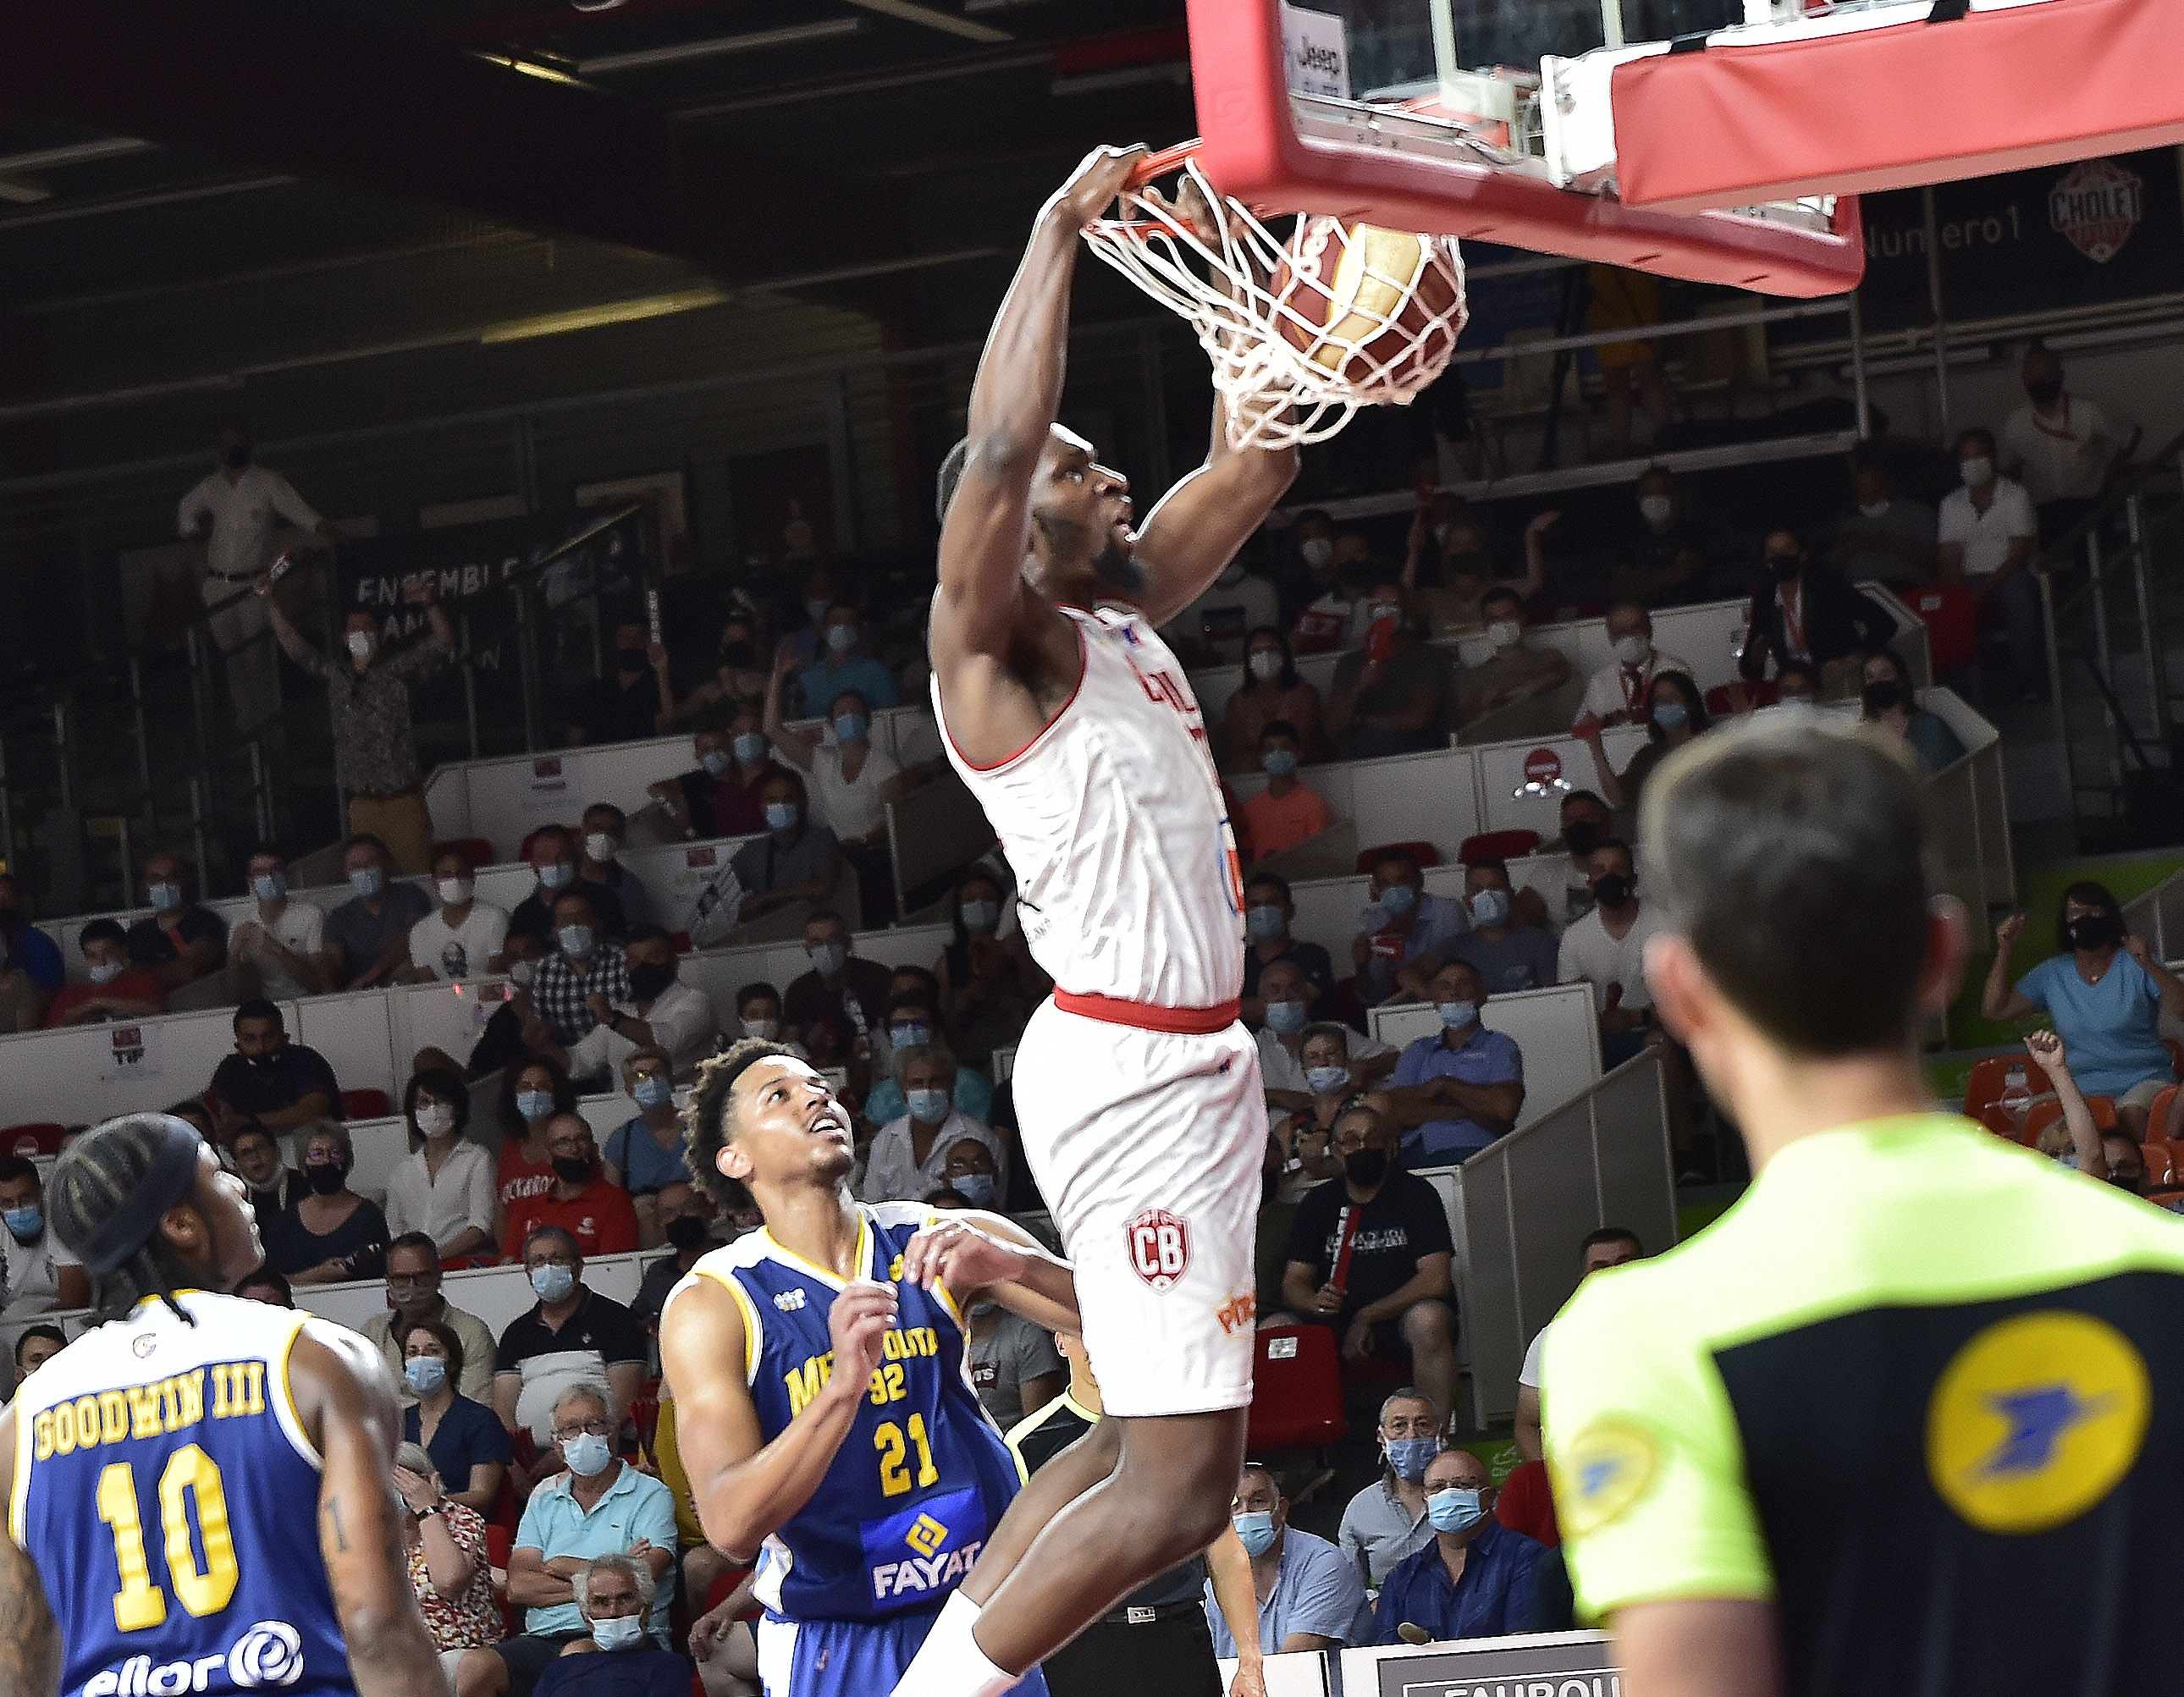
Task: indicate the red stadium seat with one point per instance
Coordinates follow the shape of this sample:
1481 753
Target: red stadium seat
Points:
1951 619
365 1104
2157 1117
1497 845
2043 1114
1423 853
479 850
681 940
1991 1083
41 1136
499 1544
1296 1390
2164 1164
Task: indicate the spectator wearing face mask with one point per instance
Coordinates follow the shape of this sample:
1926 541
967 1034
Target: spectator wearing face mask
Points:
1889 702
1804 610
1460 1090
647 1153
846 665
583 975
1388 698
368 935
722 795
625 1659
332 1234
596 1214
739 675
531 1093
1290 998
605 830
29 949
1304 1137
117 990
1611 1246
1321 609
1670 554
988 983
2064 448
1476 1579
972 1175
910 1155
796 861
1271 693
1406 935
635 699
660 1012
1269 909
1607 949
911 1023
2104 994
1884 536
445 1187
463 938
1515 671
554 858
41 1275
853 785
1387 1521
687 1229
1310 1598
413 1298
1508 953
842 986
272 1182
1988 529
758 1012
1678 714
1286 812
1620 691
179 942
1455 604
282 1085
572 1334
278 948
1214 629
1015 1367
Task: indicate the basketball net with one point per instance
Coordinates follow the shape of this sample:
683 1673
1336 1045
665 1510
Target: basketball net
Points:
1302 331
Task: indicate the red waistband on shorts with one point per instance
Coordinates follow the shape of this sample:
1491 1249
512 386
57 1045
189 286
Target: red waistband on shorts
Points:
1146 1016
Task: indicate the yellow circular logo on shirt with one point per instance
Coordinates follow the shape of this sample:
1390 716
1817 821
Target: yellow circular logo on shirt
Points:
2035 1420
1602 1474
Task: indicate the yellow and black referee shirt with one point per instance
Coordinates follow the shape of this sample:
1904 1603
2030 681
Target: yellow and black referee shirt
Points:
1921 1389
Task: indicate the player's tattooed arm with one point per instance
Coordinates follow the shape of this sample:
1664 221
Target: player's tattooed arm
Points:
30 1641
979 1256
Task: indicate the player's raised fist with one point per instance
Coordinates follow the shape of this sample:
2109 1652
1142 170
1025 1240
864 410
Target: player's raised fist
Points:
857 1324
1093 185
957 1253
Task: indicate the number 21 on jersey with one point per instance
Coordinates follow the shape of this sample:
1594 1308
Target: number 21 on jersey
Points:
203 1590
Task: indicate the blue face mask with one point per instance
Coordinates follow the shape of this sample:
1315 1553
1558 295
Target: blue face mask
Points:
367 881
1458 1015
1410 1457
1670 716
1490 907
623 1631
1398 899
1256 1531
269 887
841 638
981 915
654 1092
716 761
1456 1510
1325 1081
25 1223
1279 763
850 727
928 1105
749 746
587 1454
166 898
828 958
910 1036
1284 1017
1265 923
552 1281
425 1374
781 816
976 1189
533 1104
553 876
575 941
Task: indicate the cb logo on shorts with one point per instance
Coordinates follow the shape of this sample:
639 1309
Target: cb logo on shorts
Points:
1159 1246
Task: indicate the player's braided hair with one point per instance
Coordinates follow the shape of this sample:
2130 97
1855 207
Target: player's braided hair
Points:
103 1172
705 1120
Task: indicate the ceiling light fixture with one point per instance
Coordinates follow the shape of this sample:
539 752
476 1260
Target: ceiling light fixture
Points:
544 73
638 58
614 311
909 11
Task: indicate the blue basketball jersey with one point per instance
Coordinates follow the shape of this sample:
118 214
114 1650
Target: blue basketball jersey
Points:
922 1478
167 1493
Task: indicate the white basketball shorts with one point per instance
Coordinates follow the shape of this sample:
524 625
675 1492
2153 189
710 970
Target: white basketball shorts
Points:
1149 1147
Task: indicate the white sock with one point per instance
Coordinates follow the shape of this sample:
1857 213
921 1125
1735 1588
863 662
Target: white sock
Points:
950 1663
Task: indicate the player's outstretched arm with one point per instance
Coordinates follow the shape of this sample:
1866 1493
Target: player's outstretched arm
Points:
979 1256
1199 525
744 1488
347 1403
1013 401
30 1640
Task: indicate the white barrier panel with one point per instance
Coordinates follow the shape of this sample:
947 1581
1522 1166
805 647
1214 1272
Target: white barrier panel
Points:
675 874
1519 1208
497 1296
1535 1665
1426 798
444 1016
1298 1674
1521 785
76 1073
937 829
1002 1064
2158 916
720 972
378 1146
1327 909
355 1036
1972 812
1553 1028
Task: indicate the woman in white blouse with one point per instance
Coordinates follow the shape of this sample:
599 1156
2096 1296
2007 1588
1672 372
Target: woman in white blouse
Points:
446 1187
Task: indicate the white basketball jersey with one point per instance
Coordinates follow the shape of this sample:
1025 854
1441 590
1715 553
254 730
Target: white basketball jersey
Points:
1128 883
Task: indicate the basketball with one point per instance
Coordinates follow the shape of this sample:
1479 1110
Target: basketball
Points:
1376 309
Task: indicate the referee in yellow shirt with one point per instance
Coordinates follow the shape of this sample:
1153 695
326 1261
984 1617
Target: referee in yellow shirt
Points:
1909 1418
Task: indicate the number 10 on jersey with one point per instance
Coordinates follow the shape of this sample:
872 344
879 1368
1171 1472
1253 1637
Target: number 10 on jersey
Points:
203 1590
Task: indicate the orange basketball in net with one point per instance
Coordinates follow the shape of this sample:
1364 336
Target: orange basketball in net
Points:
1376 310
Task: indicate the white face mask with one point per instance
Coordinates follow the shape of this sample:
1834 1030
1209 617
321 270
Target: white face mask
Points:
1656 509
1317 551
1872 509
1632 650
435 1119
1505 633
601 846
1977 471
763 1030
1265 665
359 644
455 892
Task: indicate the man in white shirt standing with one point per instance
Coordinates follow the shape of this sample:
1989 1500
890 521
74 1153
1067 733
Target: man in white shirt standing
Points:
235 510
1986 533
1607 949
1619 693
278 948
2064 448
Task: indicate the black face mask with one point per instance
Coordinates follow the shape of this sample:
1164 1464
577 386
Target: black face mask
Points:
1581 836
744 654
629 661
2095 930
2045 395
687 1234
1884 697
266 1062
569 1169
1367 1167
1782 567
327 1179
649 980
237 456
1613 890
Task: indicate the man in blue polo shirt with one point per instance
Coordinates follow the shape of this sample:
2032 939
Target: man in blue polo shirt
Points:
1457 1093
1476 1579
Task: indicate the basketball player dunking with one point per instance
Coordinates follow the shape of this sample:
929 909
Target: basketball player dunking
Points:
1140 1104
